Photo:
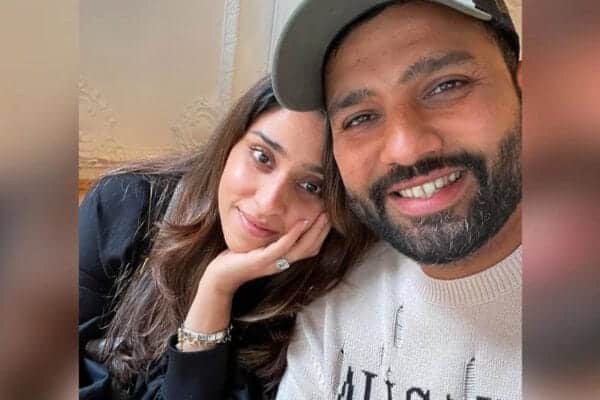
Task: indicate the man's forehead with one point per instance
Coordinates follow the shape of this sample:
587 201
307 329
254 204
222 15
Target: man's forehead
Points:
353 91
409 25
420 43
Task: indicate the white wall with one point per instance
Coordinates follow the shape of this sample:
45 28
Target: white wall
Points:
156 74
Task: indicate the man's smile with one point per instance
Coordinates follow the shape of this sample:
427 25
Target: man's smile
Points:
426 195
424 187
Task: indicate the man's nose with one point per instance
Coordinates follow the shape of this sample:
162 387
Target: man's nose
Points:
408 138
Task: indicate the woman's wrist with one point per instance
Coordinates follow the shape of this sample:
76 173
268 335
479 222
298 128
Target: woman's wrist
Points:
210 312
217 282
188 340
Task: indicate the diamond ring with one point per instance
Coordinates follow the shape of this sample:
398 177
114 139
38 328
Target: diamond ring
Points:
282 264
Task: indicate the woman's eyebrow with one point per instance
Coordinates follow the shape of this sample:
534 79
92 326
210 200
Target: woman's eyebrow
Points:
273 144
317 169
279 148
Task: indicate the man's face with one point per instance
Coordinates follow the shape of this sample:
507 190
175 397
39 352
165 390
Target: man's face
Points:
426 131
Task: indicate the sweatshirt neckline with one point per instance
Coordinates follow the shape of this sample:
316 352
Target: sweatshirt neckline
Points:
479 288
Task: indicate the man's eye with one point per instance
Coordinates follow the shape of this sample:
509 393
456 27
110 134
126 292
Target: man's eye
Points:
260 156
445 86
357 120
311 187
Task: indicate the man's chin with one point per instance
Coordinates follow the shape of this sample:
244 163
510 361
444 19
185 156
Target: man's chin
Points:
440 238
444 237
433 243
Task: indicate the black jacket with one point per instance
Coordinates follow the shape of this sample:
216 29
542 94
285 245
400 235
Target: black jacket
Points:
113 237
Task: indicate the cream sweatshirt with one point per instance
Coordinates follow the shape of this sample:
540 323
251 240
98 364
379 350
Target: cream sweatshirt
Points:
390 332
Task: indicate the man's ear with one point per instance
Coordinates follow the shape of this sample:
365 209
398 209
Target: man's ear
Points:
520 75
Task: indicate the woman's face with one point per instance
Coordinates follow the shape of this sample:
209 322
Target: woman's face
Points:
273 178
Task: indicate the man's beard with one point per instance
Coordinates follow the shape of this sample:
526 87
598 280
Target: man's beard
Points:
444 237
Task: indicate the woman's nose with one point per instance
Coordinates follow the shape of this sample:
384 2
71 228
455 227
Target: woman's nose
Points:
272 196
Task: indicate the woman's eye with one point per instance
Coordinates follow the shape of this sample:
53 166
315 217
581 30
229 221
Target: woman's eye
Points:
446 85
260 156
357 120
311 187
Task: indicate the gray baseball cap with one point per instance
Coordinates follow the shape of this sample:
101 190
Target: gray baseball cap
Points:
305 39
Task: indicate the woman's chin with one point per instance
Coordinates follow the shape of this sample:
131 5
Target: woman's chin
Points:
242 245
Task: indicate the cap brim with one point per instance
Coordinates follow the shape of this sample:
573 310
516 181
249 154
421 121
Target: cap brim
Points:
300 51
302 45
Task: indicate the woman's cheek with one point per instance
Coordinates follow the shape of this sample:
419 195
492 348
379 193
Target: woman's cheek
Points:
309 210
241 176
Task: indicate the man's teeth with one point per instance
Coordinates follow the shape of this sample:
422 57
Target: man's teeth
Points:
428 189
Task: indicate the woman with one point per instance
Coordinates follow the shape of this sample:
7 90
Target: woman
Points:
202 246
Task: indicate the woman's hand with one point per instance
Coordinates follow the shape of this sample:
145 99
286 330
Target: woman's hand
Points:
230 270
211 308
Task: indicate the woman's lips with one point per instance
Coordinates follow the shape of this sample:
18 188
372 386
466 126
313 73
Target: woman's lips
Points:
253 227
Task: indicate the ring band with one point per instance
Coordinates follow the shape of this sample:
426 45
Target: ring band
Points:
282 264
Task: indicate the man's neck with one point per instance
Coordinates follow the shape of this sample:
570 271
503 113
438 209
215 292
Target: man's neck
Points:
495 250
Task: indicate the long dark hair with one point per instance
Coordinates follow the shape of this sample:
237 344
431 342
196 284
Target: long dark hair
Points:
153 301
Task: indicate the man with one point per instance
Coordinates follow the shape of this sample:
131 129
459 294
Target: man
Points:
424 107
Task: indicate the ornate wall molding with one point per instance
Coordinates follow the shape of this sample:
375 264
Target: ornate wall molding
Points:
200 116
98 146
